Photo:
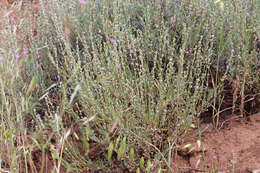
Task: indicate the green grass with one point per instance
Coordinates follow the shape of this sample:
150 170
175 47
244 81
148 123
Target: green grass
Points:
116 85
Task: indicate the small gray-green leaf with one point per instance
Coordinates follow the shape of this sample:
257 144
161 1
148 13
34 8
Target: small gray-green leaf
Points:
132 154
123 143
186 146
117 142
32 86
197 163
110 151
148 166
199 143
122 149
142 162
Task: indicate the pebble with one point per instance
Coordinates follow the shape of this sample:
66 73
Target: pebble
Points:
256 171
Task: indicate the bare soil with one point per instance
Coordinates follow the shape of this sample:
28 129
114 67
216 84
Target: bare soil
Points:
235 148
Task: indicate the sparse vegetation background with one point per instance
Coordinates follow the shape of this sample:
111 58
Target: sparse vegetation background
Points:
117 85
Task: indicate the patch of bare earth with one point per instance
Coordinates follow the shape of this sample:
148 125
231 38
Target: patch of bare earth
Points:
236 148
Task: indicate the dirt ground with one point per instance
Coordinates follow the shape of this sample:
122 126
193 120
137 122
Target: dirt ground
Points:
235 148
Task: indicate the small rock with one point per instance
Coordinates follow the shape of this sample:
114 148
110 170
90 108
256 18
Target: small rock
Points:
256 171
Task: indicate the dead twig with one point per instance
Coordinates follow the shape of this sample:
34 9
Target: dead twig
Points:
235 95
242 104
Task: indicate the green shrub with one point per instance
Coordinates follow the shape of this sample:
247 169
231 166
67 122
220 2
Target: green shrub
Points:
118 84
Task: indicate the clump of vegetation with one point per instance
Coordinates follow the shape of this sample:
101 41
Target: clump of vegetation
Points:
117 85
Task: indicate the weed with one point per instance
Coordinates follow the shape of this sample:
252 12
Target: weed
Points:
116 85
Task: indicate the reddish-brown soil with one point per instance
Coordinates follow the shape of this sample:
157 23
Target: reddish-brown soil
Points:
234 148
